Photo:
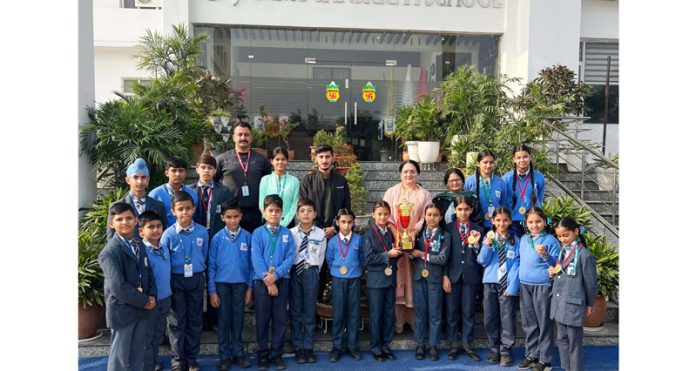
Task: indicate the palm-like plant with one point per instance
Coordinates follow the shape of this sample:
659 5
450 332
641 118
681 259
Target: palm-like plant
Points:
168 55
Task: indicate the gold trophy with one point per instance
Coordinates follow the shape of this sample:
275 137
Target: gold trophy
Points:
404 219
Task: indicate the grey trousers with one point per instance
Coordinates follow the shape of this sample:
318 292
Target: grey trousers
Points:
499 318
127 347
154 334
569 340
535 309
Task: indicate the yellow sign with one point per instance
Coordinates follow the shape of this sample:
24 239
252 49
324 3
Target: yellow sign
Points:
332 92
369 94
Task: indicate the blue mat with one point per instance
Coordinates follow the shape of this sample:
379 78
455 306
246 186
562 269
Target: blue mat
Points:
597 358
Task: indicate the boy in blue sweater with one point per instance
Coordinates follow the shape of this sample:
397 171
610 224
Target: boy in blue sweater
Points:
272 255
151 228
176 173
187 244
229 284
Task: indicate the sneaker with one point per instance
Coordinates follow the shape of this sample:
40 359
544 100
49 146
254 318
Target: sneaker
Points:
506 360
470 353
311 357
193 366
434 356
263 364
355 354
453 353
420 353
542 366
527 362
242 361
278 363
224 365
335 355
300 356
493 357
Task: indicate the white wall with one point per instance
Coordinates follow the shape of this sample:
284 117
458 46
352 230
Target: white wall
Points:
112 65
85 97
554 35
600 20
117 27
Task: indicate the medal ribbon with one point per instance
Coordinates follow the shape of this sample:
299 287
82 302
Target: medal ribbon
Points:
497 245
531 243
523 191
487 188
379 235
244 168
573 251
427 243
343 254
281 187
468 231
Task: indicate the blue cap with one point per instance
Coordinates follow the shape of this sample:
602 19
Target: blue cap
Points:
138 167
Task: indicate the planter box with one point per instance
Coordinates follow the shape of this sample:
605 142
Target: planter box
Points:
413 151
428 152
574 160
605 179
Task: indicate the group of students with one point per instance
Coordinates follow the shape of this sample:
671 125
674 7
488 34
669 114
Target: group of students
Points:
156 274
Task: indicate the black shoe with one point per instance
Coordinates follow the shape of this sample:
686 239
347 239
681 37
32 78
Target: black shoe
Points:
224 365
420 353
453 353
506 360
300 356
379 357
193 366
263 364
434 356
335 355
311 357
541 366
355 354
470 353
493 357
389 355
527 363
278 363
242 361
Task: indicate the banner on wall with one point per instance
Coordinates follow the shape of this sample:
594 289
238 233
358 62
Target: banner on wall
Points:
369 93
332 92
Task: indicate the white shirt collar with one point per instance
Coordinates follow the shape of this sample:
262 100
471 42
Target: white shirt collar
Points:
179 228
342 237
201 184
148 244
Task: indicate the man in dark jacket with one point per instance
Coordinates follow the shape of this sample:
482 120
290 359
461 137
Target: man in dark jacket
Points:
327 189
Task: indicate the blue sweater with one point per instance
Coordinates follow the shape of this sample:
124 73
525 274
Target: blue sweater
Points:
160 193
488 258
229 260
354 260
538 187
161 269
533 269
181 246
499 194
283 256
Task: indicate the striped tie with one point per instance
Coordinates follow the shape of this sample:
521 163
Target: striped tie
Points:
135 248
462 230
140 205
502 280
303 246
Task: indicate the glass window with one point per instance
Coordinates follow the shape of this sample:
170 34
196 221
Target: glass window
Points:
129 83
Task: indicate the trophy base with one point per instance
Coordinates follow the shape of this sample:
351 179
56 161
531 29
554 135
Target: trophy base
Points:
406 245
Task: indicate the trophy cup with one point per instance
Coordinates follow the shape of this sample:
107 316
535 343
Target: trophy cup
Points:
404 219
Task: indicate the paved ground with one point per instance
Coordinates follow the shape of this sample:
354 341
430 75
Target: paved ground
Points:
597 358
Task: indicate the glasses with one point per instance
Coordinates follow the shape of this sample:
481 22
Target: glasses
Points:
454 181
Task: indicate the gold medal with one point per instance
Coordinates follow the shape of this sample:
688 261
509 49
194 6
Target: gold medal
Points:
271 270
522 210
557 268
490 235
538 248
471 240
388 271
343 270
425 273
487 217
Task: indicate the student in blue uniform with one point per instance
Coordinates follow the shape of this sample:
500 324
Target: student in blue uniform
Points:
187 244
211 195
525 187
138 178
491 189
129 290
151 228
310 248
229 283
462 278
381 255
176 173
272 255
500 257
574 291
430 256
538 252
344 258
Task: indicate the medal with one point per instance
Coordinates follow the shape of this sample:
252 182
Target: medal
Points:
271 270
490 235
538 248
343 270
425 273
471 240
557 268
522 210
388 271
487 217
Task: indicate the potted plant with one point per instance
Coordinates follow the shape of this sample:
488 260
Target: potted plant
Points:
607 175
284 129
259 143
607 260
406 132
428 130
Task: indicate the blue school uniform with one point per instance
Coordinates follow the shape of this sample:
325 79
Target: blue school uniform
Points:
427 291
185 321
277 251
381 288
229 277
500 279
164 194
526 201
535 291
161 271
345 288
492 194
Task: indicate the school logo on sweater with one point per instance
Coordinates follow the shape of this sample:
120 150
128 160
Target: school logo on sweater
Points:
243 247
199 241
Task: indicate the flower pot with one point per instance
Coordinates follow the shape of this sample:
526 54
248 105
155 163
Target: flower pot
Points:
89 320
312 152
574 160
605 178
428 152
599 312
291 154
404 156
362 220
342 169
413 150
324 310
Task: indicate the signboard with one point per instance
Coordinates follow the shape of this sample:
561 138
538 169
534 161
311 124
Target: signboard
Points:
369 94
333 94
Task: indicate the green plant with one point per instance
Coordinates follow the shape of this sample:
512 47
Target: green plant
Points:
167 55
565 206
607 260
420 122
402 127
358 192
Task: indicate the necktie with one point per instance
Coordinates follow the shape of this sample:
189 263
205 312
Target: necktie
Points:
345 241
233 235
135 248
462 231
303 247
140 205
186 231
204 191
273 230
502 279
428 234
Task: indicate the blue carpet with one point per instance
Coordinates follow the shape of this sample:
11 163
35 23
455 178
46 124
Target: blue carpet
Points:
597 358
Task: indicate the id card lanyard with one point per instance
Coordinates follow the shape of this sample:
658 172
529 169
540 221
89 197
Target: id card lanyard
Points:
280 186
206 205
381 241
274 243
427 243
487 190
564 264
532 245
188 266
523 191
245 169
344 253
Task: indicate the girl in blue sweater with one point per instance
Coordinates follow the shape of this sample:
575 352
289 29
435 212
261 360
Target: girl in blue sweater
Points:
525 187
538 252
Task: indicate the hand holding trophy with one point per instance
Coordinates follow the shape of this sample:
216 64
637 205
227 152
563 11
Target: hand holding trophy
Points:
405 208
